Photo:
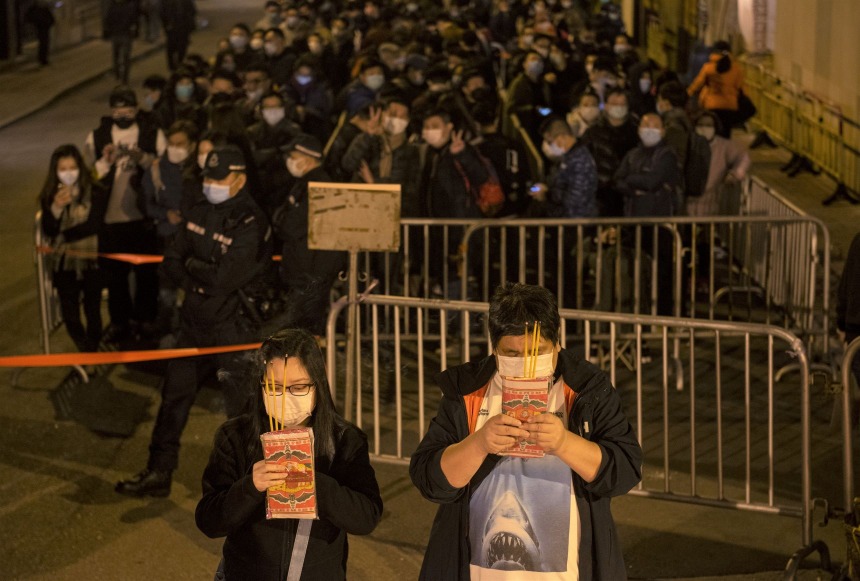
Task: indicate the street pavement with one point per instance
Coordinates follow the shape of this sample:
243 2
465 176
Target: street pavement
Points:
59 516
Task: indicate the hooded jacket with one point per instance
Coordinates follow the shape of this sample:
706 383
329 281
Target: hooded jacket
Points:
595 414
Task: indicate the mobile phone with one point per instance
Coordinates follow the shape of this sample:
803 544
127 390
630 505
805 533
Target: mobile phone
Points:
544 111
535 188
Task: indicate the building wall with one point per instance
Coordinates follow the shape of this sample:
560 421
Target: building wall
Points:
817 46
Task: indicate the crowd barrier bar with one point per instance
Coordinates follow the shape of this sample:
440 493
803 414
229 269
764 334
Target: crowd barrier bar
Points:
744 336
847 404
817 132
49 310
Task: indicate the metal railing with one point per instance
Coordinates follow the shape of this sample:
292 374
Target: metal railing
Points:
769 264
50 318
851 352
814 130
714 444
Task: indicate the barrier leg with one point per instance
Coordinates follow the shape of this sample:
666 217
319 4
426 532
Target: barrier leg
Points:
841 193
762 138
803 165
796 159
798 557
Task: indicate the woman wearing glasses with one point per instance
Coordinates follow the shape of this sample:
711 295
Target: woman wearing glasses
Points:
236 478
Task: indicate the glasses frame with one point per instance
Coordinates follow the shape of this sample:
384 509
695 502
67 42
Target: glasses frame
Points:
310 387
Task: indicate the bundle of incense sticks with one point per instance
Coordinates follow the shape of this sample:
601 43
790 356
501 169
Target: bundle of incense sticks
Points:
269 384
531 351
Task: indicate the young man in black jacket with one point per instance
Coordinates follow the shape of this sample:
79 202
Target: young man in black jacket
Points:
223 245
514 514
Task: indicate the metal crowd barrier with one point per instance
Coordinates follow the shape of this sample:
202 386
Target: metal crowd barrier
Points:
815 131
50 318
767 265
714 444
847 423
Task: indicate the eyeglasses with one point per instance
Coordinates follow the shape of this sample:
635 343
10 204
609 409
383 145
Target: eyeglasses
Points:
299 389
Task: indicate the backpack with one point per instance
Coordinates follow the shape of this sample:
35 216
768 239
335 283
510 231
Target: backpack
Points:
488 196
697 165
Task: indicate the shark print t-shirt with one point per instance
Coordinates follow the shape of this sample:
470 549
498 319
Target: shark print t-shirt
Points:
523 521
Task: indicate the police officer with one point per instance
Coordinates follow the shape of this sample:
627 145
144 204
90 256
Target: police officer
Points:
307 274
223 245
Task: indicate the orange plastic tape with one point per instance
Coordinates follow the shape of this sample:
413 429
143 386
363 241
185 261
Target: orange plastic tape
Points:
119 256
68 359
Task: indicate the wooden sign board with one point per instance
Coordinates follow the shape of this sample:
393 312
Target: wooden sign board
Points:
354 217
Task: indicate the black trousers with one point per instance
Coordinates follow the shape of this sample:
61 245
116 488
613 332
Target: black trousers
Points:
176 46
183 380
71 291
121 57
124 305
44 37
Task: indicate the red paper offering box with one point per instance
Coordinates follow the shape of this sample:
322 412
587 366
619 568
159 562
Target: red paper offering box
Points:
296 497
521 399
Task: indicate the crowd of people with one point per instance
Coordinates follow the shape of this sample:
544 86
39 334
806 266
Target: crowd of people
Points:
371 92
208 166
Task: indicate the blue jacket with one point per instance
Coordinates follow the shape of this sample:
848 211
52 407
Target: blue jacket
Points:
596 415
573 185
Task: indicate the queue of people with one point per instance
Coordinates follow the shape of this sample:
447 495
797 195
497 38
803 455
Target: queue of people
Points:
209 166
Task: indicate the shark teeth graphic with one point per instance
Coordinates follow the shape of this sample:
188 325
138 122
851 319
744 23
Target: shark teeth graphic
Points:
507 552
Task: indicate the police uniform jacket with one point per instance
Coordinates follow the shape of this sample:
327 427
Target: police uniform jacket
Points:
219 250
291 224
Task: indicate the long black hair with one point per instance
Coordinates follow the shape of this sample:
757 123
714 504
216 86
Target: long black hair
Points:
326 422
52 182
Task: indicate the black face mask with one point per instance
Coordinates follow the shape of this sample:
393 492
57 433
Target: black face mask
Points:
123 122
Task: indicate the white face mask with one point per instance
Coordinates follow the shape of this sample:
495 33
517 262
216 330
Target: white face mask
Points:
254 95
294 166
706 132
68 177
395 125
644 85
256 43
176 154
589 113
650 136
434 137
201 160
374 82
238 41
270 48
617 112
273 115
552 151
216 193
514 366
290 410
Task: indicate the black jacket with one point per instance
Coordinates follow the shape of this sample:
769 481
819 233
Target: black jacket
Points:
650 181
404 168
348 502
221 248
291 225
596 415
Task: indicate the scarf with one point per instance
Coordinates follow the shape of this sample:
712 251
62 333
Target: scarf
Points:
386 158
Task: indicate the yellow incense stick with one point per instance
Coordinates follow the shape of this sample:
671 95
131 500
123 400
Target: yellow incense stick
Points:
536 348
268 395
526 350
284 394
